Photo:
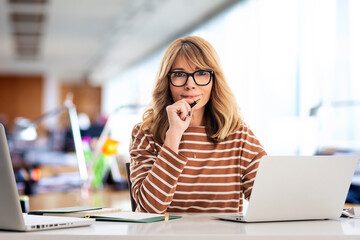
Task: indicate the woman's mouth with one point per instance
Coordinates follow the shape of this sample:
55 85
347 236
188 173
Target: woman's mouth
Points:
191 96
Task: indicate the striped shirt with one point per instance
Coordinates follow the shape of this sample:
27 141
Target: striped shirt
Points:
203 177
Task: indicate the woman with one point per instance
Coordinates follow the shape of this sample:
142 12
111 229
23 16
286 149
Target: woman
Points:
192 159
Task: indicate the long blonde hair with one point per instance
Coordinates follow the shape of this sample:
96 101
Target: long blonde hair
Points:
222 114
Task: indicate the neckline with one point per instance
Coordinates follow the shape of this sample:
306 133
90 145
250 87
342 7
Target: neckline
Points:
200 126
195 128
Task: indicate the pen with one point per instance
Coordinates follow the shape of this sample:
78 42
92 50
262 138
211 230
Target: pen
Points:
194 103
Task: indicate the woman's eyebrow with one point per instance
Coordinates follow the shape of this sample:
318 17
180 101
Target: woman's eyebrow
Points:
179 69
182 69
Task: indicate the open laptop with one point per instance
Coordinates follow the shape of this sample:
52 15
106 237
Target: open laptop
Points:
11 217
299 188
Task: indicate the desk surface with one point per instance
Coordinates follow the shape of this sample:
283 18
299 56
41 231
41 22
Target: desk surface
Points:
201 226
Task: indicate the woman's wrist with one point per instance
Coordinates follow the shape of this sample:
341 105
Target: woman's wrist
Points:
172 139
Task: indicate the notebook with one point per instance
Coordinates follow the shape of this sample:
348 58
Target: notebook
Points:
299 188
106 214
11 217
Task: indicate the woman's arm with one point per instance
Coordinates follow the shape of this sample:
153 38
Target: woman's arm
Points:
251 153
154 174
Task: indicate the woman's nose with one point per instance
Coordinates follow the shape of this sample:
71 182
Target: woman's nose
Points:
190 82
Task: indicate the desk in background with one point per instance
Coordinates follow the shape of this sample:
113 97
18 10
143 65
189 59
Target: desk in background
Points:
201 227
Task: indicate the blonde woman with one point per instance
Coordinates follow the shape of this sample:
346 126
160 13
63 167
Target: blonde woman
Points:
192 152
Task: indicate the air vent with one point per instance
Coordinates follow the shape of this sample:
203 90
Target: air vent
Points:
27 26
27 51
27 17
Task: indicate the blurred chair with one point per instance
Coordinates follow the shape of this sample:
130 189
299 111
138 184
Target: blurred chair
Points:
133 203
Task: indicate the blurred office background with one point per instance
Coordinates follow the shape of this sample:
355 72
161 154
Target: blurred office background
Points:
294 65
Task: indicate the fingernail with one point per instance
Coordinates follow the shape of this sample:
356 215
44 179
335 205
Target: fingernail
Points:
189 113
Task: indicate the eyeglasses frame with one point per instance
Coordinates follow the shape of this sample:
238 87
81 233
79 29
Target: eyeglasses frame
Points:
192 75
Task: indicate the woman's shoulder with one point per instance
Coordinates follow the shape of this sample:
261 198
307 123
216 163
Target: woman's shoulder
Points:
248 138
244 131
243 127
139 130
138 125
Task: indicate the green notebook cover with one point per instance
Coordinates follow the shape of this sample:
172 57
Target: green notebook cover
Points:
145 220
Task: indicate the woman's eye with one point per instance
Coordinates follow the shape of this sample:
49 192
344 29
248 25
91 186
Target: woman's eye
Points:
179 74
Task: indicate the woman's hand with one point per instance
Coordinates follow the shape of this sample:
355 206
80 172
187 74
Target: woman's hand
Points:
179 116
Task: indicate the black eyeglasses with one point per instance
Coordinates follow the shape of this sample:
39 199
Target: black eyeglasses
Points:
201 77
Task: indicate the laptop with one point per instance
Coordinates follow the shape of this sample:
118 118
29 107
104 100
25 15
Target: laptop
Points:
11 217
299 188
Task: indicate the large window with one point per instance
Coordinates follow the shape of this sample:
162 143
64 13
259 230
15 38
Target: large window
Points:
292 64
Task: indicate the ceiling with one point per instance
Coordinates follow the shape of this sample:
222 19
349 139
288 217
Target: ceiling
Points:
92 40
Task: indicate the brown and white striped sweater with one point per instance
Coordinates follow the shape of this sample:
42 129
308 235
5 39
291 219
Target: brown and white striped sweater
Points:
203 177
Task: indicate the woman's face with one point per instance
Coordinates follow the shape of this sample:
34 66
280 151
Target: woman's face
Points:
190 90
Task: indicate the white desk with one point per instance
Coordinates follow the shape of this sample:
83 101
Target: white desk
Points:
201 226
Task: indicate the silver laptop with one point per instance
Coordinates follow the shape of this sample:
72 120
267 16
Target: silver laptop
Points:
11 217
299 188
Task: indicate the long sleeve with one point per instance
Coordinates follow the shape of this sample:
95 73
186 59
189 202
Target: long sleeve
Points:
154 172
252 152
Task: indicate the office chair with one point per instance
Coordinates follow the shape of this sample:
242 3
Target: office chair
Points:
133 203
